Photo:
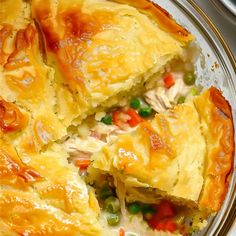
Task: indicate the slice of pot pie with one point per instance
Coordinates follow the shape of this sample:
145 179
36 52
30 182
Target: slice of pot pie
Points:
102 49
184 154
40 192
45 196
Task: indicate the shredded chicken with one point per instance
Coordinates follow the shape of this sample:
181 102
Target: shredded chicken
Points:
88 145
161 98
91 141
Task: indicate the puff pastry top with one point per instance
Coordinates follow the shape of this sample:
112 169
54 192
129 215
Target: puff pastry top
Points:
166 154
45 196
186 153
100 49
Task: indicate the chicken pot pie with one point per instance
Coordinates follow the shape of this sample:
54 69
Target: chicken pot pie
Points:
84 78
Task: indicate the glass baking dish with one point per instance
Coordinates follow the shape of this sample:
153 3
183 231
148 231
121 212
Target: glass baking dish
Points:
227 9
216 66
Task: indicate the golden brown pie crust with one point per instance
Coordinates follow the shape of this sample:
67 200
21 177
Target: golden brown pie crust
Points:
163 18
216 116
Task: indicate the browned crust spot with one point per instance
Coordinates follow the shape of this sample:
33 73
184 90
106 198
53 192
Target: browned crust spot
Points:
162 17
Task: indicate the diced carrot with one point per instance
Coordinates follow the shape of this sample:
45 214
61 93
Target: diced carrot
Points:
170 226
163 225
160 226
169 80
82 163
163 218
135 117
134 120
166 209
116 117
121 232
156 224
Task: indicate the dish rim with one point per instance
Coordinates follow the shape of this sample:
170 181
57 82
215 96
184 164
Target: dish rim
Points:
227 216
217 32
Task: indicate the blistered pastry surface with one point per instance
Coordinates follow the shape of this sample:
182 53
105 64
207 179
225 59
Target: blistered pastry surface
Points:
166 154
101 48
40 192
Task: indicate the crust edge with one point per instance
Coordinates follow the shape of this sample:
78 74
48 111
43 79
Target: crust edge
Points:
217 181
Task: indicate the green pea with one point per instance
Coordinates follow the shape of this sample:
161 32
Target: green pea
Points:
194 91
189 78
134 208
146 208
105 192
181 100
113 219
112 204
145 111
107 120
135 103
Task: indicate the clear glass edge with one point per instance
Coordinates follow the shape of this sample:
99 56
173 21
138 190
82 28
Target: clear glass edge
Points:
225 11
230 6
222 222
